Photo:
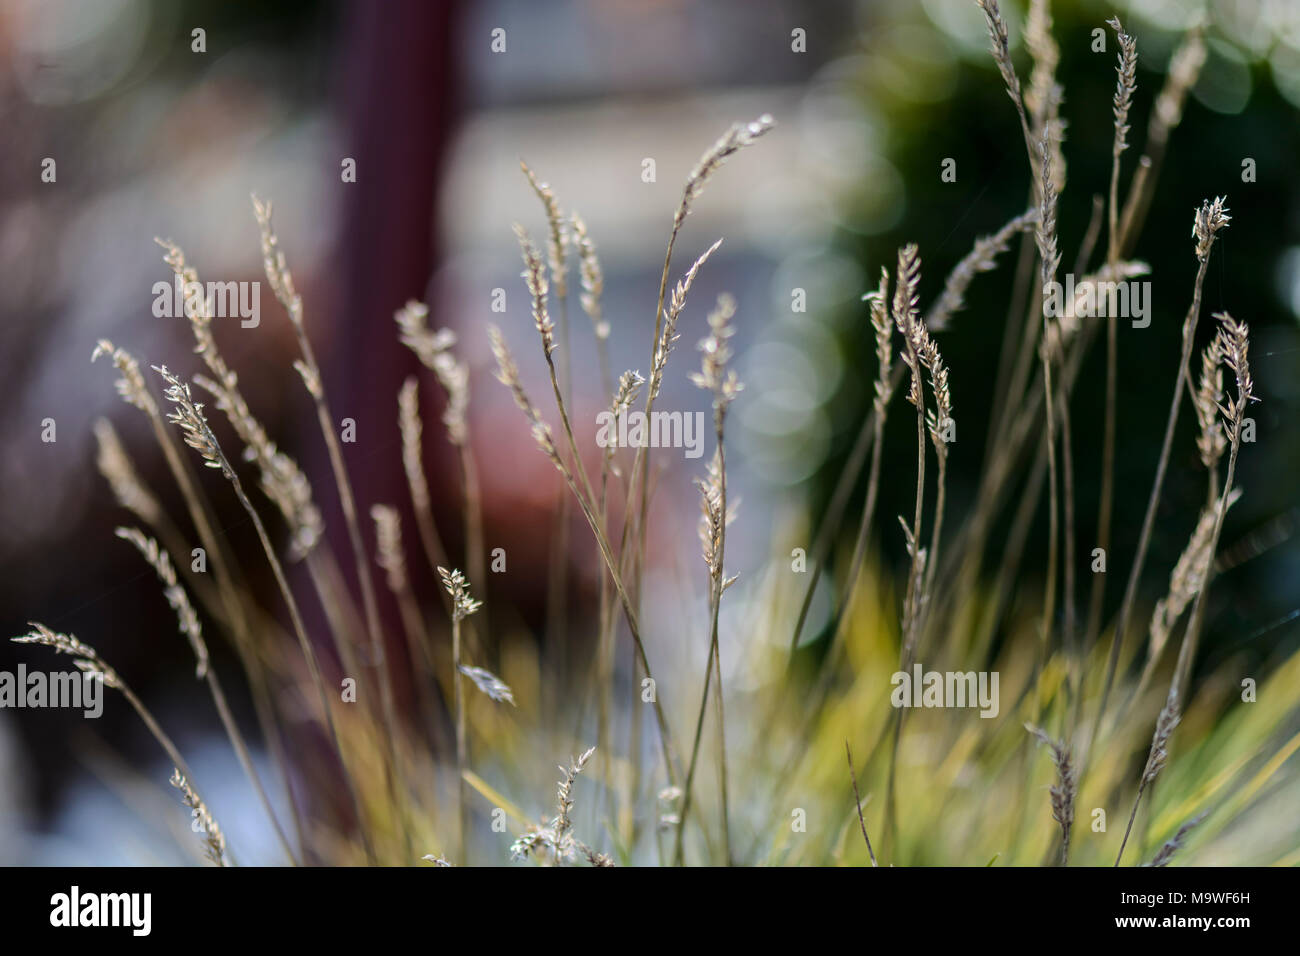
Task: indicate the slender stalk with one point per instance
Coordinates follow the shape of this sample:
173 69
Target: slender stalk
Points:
601 673
462 607
309 654
916 340
475 549
716 586
722 752
592 288
604 663
1126 82
1049 588
282 284
462 791
907 278
913 598
932 558
721 382
699 732
1098 591
1069 637
857 802
1106 499
1050 351
412 429
1210 218
557 587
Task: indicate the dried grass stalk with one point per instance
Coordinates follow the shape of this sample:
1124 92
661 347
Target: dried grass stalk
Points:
555 840
214 842
1066 789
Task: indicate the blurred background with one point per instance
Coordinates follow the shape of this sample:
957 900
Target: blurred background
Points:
153 138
